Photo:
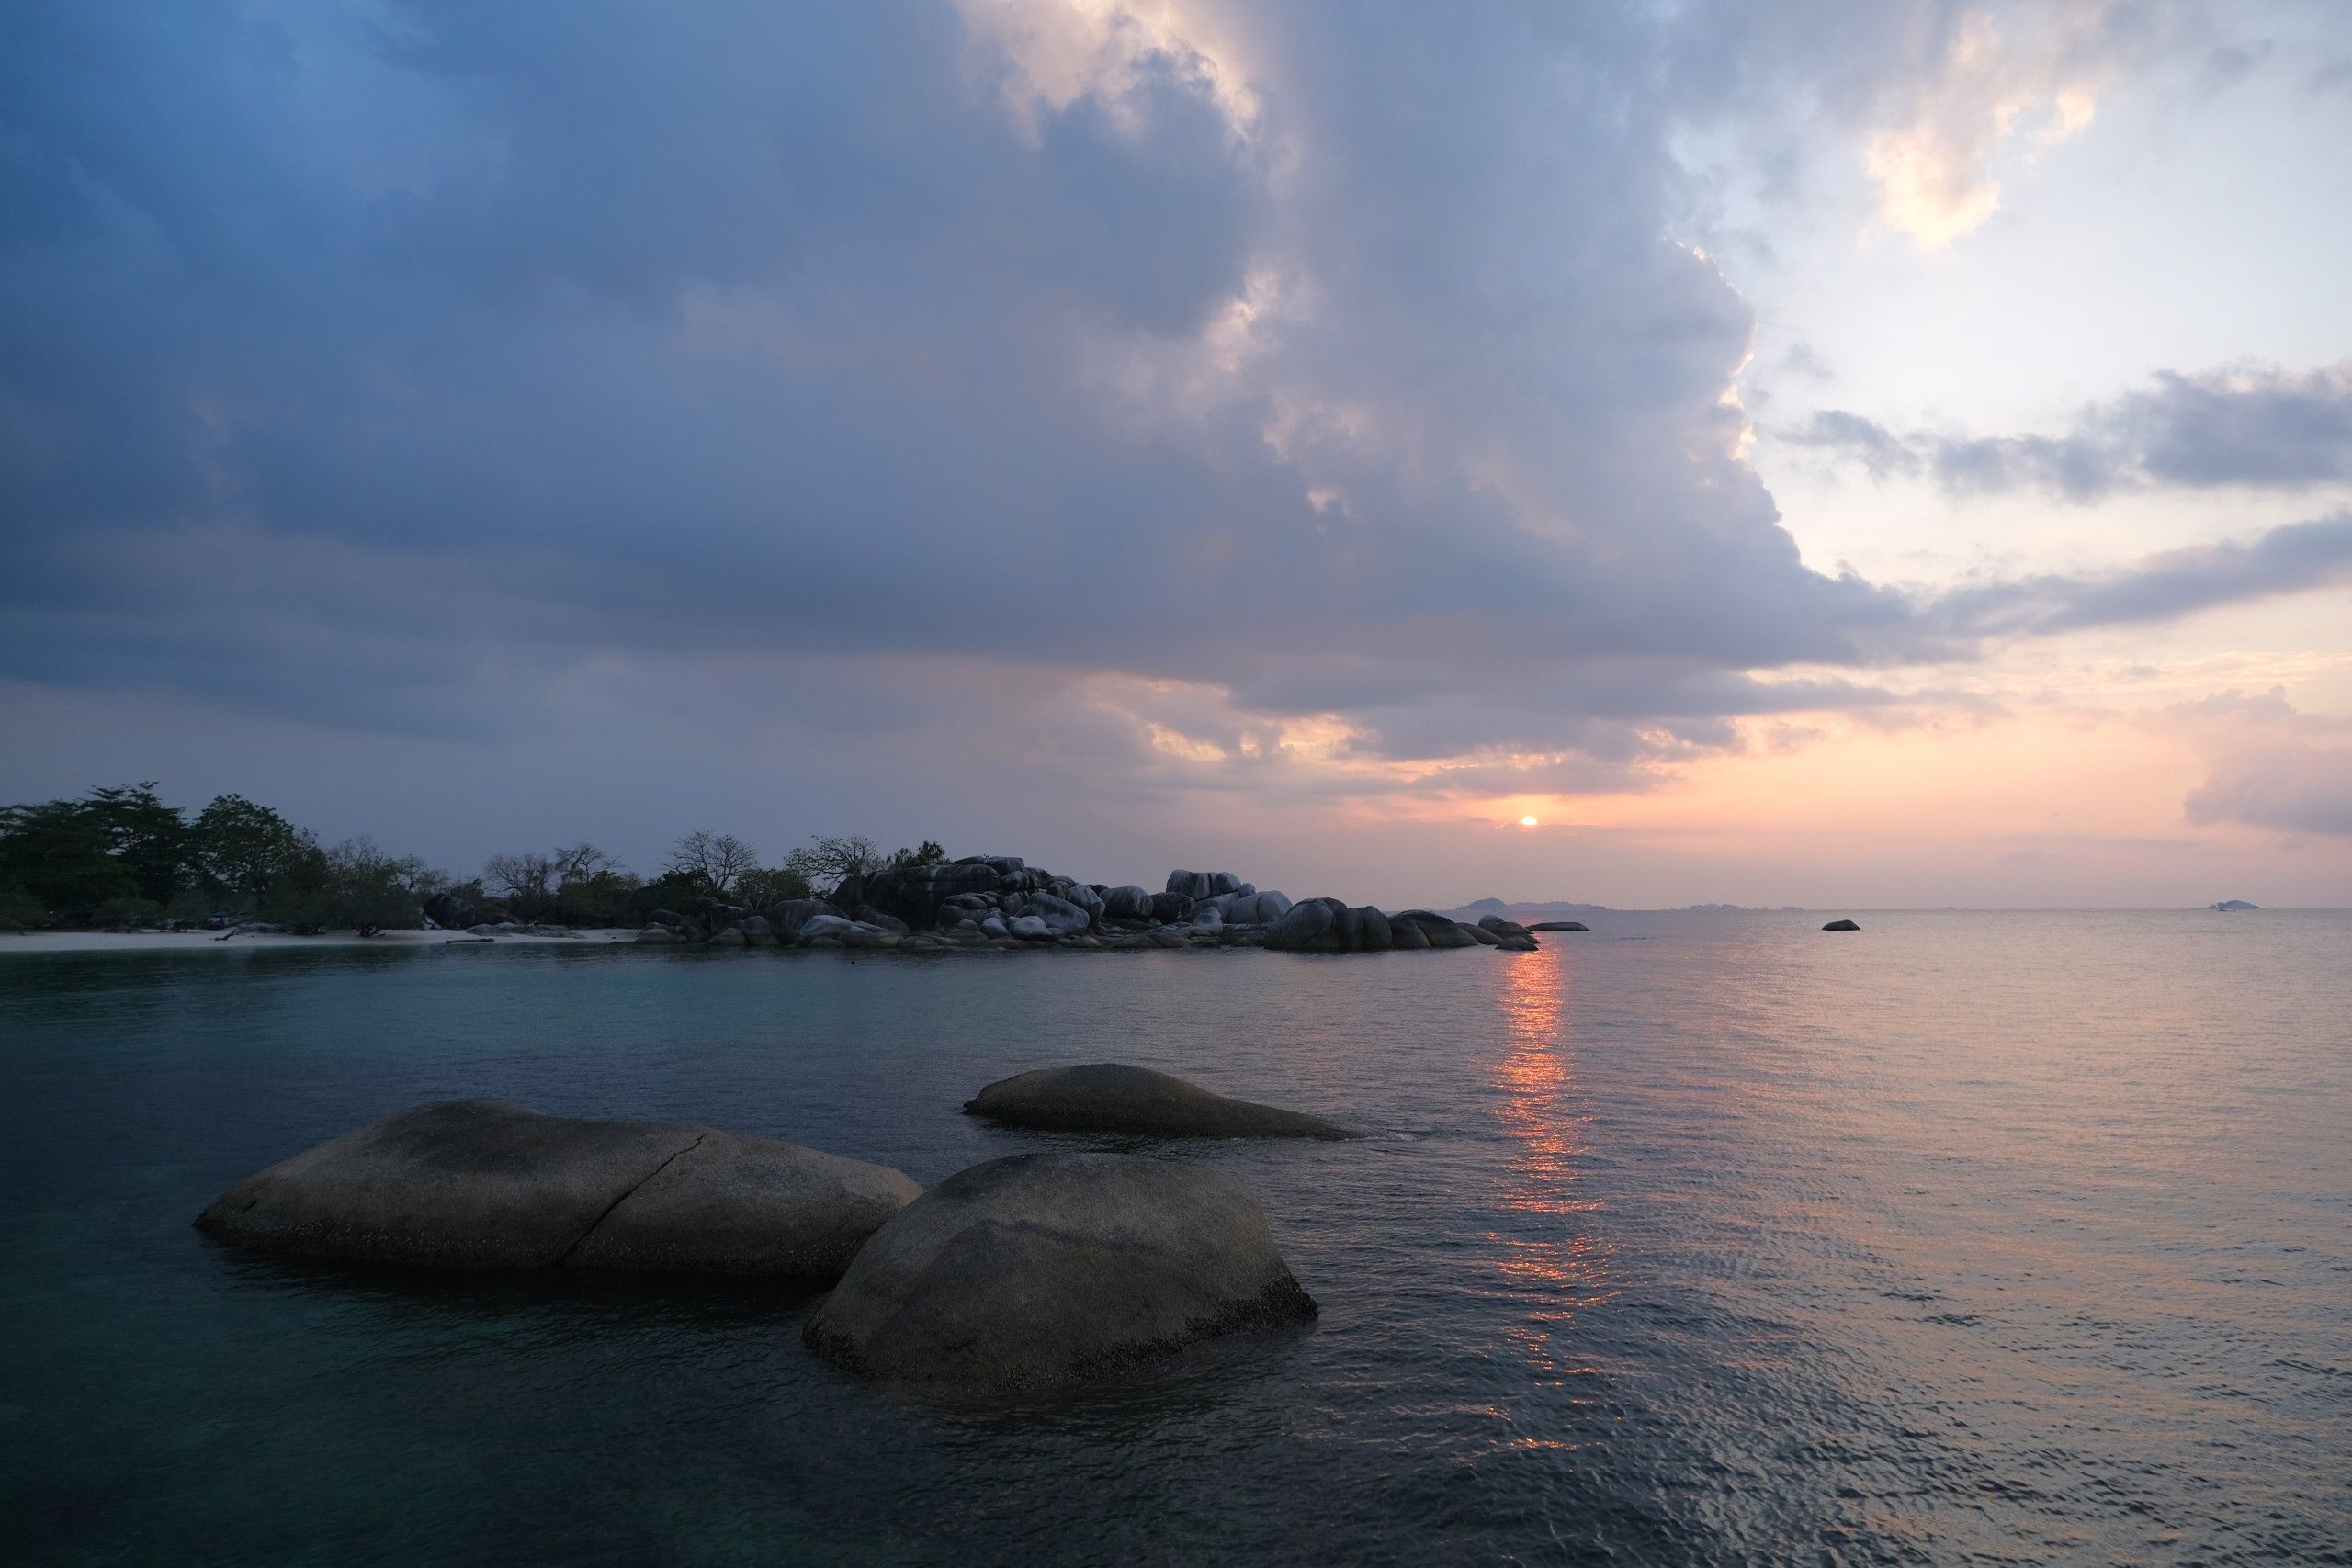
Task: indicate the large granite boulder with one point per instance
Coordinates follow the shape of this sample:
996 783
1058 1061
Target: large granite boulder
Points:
1203 883
477 1184
914 893
1127 903
1111 1097
1256 908
1439 931
1061 916
826 927
1318 925
1042 1273
450 912
1508 933
1080 894
1170 908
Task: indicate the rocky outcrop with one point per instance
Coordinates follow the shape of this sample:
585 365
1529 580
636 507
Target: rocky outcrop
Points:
1199 884
1508 933
1045 1272
1110 1097
1559 926
1841 926
478 1184
1318 925
1436 930
1171 909
1127 903
1001 901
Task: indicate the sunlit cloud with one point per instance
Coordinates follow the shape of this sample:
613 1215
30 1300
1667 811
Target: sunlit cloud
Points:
2003 95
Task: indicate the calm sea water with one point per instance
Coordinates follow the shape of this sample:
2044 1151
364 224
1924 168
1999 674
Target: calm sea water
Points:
1971 1237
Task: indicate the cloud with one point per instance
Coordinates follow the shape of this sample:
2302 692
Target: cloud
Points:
2270 766
2000 91
2256 427
2291 557
1160 391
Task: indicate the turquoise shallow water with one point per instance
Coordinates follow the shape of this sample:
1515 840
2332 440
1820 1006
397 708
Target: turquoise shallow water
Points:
1971 1237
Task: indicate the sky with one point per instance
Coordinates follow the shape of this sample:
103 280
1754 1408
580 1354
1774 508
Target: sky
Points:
1846 453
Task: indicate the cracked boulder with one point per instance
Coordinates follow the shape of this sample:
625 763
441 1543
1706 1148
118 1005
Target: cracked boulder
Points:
478 1184
1040 1273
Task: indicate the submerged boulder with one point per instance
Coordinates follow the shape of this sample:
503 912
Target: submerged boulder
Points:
1559 926
478 1184
1042 1272
1841 926
1111 1097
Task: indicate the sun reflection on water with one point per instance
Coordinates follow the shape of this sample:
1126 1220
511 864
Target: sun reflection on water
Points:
1557 1256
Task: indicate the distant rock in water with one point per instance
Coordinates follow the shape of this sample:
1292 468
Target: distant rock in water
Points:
2227 905
1559 926
478 1184
1110 1097
1841 926
1043 1273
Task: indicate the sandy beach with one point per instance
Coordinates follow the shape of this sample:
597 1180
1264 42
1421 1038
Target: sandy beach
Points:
30 943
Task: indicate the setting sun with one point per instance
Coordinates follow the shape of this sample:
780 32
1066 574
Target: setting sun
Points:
1527 821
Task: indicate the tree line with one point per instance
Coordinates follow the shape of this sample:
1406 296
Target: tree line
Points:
121 859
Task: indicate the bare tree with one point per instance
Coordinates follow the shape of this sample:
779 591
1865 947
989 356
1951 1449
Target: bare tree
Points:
828 863
525 882
583 863
712 860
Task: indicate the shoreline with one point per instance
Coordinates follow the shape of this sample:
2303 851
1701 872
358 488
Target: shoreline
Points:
48 942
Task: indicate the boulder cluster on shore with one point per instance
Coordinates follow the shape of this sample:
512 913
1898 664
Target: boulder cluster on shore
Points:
1034 1273
1002 901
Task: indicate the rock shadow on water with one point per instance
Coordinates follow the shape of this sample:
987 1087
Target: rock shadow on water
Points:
575 1304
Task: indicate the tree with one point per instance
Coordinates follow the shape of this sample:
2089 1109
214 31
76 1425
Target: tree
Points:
765 889
353 886
147 838
57 853
20 911
583 863
369 891
928 853
712 862
240 847
525 882
828 861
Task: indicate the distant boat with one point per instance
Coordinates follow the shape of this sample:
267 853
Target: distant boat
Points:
2226 904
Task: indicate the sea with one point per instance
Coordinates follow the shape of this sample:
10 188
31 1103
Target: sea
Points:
1696 1238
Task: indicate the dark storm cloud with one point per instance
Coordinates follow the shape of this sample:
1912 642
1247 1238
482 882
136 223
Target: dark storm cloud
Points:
2260 428
386 367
